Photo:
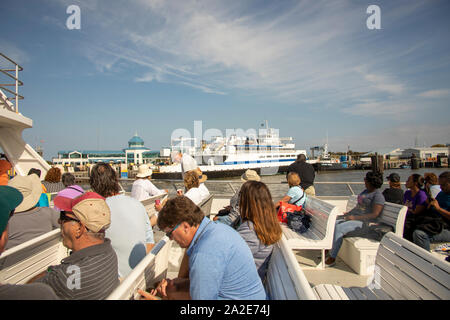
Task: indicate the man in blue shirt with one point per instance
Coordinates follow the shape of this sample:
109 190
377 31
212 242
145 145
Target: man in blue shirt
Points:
221 265
441 205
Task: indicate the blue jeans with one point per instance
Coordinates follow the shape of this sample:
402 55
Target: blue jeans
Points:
422 239
341 229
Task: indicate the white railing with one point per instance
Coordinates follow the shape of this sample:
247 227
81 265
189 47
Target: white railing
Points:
11 72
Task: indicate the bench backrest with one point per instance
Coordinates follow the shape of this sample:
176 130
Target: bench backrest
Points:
321 212
151 269
285 280
206 204
406 271
393 214
24 261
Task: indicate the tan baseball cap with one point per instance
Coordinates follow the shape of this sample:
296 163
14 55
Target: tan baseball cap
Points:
90 208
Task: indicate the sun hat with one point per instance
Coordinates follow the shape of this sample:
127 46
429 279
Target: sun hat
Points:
90 208
10 198
144 171
393 177
250 175
201 177
30 188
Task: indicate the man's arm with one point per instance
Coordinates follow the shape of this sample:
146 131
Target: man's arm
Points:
37 277
438 208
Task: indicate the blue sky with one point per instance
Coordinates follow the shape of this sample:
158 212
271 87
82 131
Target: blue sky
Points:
309 67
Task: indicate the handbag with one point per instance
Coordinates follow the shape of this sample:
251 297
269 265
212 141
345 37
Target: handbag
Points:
430 222
298 221
285 208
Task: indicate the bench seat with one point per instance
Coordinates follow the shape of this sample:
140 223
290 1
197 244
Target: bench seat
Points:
403 271
359 253
285 280
320 234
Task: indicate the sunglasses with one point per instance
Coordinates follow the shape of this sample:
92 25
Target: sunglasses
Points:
169 234
63 217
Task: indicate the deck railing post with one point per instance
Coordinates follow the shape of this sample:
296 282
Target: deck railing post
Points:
17 88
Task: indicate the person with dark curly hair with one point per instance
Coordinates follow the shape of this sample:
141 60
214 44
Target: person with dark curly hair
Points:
415 198
52 181
370 204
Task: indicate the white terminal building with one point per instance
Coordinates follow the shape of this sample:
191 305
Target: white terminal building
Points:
136 154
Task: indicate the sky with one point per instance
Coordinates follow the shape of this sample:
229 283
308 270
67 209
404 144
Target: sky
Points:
312 68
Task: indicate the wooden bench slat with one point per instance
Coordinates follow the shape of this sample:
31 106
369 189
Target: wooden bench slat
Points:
417 275
407 282
427 263
381 294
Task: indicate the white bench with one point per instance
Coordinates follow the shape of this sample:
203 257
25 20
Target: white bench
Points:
151 269
403 271
285 280
206 204
320 234
359 253
24 261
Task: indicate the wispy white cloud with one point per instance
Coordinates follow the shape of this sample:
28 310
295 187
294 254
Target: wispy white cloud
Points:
440 93
13 52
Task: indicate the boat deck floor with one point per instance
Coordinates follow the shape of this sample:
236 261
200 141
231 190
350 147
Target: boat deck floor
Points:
340 274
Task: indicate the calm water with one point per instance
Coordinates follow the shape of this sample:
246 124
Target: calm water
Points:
278 186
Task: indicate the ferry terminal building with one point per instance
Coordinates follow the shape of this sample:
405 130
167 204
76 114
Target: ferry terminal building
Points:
135 154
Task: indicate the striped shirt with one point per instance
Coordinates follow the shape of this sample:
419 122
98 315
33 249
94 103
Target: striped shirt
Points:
97 269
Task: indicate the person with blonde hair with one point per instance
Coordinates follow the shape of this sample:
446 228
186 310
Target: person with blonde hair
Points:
192 184
295 195
260 227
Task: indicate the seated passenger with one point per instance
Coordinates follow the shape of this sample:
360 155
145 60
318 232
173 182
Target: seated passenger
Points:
52 181
415 198
72 190
204 192
130 232
10 198
221 265
29 221
432 187
143 188
90 272
230 215
295 194
370 204
191 183
5 166
394 193
260 227
440 206
43 200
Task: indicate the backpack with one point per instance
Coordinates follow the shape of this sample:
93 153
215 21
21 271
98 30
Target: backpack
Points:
298 221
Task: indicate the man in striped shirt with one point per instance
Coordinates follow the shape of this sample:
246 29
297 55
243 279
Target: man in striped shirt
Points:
91 271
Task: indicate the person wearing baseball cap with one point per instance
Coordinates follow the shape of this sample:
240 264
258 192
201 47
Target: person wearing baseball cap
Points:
30 220
91 271
394 193
10 198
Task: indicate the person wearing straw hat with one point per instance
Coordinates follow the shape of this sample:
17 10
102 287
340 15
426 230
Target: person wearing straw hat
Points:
10 198
143 188
230 215
204 192
29 220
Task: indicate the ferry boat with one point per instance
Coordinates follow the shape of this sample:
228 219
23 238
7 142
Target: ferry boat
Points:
267 153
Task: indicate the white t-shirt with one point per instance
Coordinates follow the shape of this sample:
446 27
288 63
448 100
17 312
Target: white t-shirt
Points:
187 164
143 189
203 191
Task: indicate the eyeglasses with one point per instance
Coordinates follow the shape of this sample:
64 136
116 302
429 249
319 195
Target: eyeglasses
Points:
63 217
169 234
